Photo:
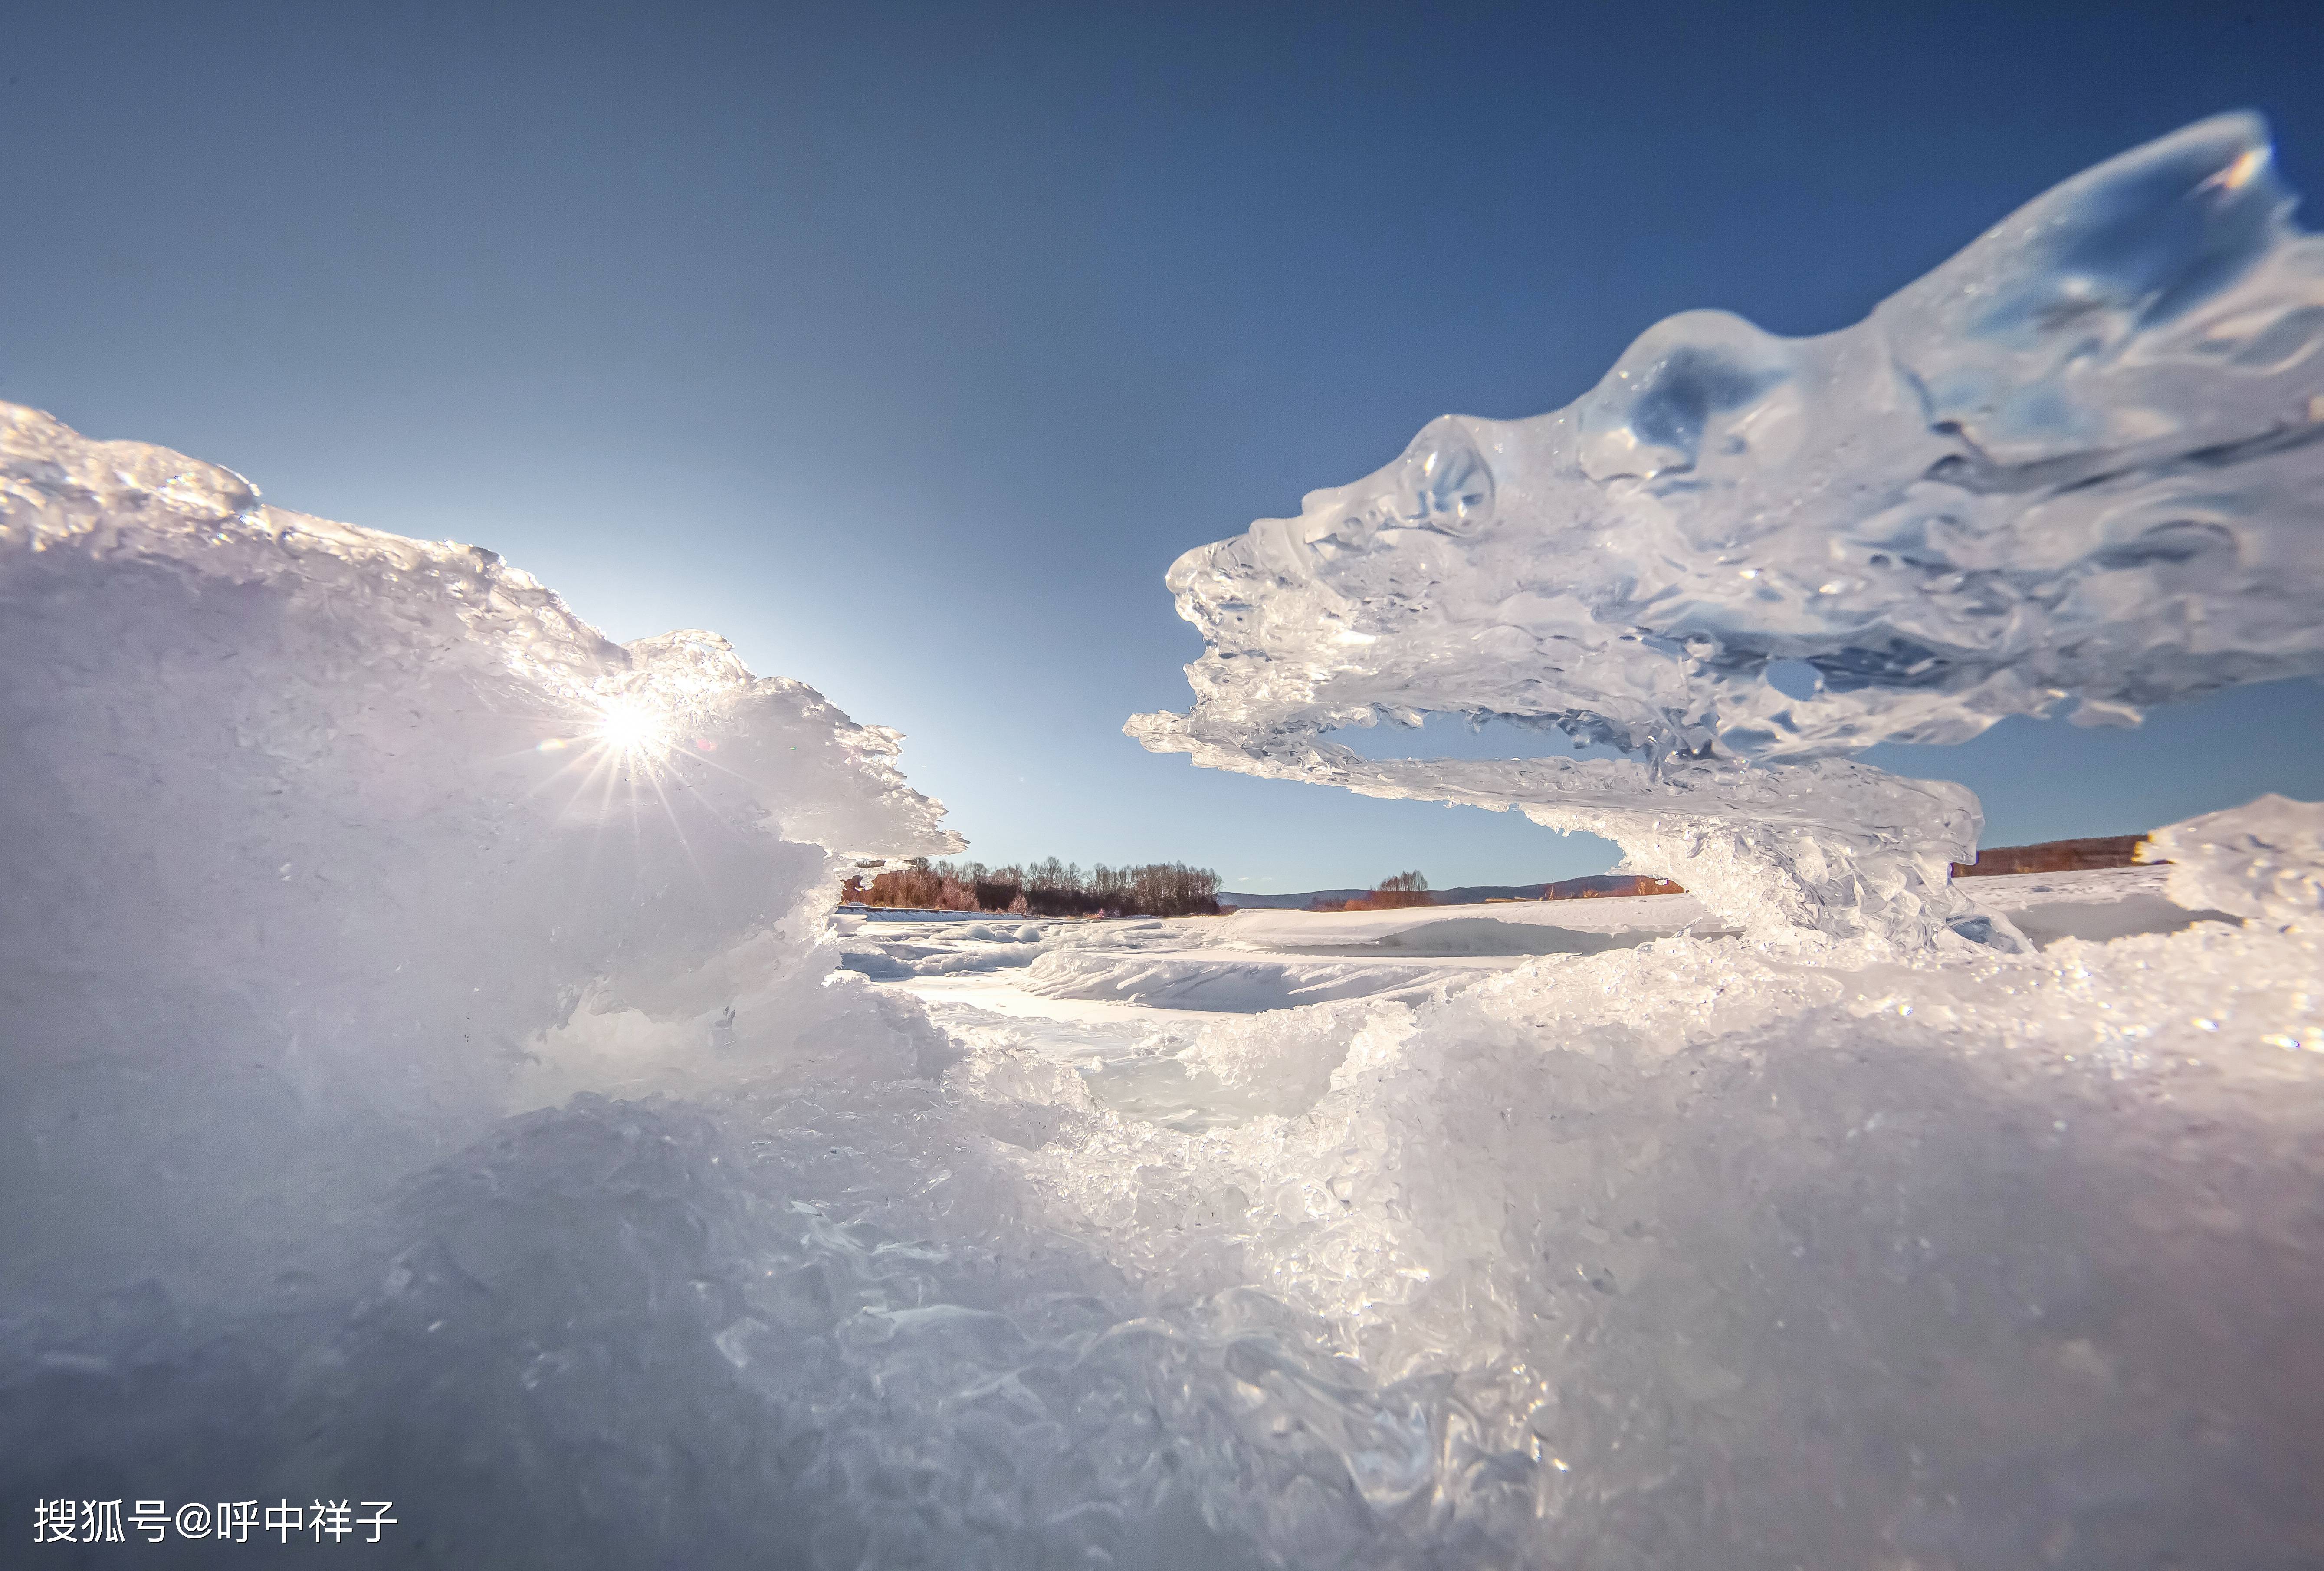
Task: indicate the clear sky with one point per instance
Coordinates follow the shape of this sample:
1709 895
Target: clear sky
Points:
906 346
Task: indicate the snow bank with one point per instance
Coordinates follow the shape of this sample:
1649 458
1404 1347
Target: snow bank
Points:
2078 466
890 949
1236 984
1969 1264
2264 859
1628 914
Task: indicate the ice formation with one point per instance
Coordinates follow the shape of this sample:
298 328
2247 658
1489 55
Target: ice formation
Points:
2264 861
314 832
425 1075
2079 464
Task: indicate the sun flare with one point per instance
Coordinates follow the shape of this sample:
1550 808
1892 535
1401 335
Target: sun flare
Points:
633 729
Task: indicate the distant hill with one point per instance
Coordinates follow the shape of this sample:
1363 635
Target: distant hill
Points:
1335 898
1287 902
1597 884
2050 856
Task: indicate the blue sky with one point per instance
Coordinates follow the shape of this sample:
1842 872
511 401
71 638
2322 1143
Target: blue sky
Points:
906 346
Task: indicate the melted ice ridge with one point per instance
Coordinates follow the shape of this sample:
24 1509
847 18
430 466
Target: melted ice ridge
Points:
2078 466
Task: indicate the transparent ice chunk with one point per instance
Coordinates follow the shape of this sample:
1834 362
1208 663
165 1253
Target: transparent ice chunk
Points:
2075 470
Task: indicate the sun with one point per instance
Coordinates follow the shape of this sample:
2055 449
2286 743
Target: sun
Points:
632 729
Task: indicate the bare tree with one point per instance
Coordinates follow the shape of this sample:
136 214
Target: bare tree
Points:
1403 888
1045 887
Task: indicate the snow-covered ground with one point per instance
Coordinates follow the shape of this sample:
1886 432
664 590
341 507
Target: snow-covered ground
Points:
1251 961
1125 1002
1718 1205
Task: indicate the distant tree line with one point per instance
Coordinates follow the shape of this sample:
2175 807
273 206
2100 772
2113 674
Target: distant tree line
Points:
1050 888
1394 893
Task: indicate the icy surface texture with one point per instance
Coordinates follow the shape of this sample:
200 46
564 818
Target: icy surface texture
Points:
2076 467
424 1079
308 834
2264 861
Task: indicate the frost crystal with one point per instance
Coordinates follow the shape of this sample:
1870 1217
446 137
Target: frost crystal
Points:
2079 466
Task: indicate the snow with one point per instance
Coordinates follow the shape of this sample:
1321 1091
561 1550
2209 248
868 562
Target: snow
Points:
2264 861
434 1074
1969 1253
1254 961
1626 914
2077 467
